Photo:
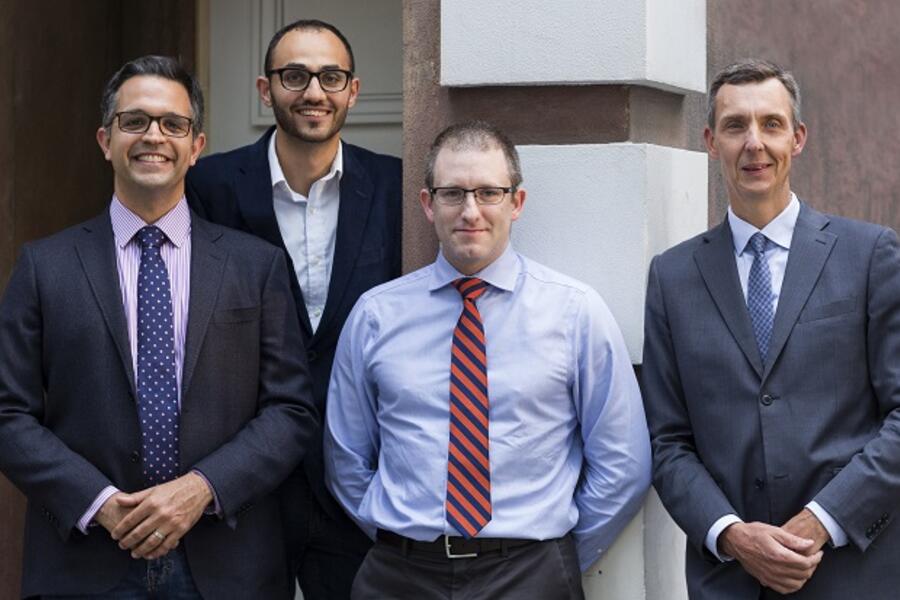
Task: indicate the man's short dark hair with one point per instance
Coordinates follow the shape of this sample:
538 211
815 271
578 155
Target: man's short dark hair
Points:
474 135
305 24
753 70
156 66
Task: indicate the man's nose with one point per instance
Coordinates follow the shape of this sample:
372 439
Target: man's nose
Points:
314 90
470 206
154 133
754 139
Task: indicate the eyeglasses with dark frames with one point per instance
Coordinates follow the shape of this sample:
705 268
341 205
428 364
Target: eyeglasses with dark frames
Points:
137 121
455 196
295 79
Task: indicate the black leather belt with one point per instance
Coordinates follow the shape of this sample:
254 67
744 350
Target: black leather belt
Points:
451 547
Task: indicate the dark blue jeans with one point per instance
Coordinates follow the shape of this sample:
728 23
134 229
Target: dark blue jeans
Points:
166 578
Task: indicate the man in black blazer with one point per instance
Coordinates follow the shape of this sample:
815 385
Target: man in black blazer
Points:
771 373
146 396
335 210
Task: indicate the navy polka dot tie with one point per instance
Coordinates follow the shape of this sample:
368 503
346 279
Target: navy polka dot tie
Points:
157 386
759 294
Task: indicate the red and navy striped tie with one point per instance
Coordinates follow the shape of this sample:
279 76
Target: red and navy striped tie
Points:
469 469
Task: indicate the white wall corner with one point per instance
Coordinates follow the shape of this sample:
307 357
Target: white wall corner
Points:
620 572
657 43
600 212
676 44
664 545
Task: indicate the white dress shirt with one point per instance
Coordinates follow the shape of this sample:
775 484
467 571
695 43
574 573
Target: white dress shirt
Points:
780 231
308 226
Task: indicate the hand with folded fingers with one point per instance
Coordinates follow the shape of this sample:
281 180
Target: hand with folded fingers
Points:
158 517
776 558
805 524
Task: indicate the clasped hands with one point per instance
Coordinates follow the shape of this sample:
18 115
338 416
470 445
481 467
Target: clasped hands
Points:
150 523
781 558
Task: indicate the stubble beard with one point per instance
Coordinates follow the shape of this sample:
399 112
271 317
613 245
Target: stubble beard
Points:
286 123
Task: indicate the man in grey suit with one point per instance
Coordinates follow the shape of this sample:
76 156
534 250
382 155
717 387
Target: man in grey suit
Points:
147 406
771 373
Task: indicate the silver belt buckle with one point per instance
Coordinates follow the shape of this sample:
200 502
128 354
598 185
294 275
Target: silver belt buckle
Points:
451 555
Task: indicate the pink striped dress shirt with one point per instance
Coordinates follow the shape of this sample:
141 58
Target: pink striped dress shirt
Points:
176 254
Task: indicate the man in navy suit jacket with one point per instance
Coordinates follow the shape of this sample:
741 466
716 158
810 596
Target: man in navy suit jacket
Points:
143 316
771 373
335 209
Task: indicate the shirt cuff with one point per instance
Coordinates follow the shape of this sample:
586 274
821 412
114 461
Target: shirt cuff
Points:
712 537
214 508
95 506
837 533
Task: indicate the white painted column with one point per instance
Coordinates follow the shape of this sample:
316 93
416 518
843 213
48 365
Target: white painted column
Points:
599 212
657 43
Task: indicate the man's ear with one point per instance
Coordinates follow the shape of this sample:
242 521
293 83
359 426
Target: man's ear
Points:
103 135
800 134
426 201
197 145
264 87
518 201
354 91
710 139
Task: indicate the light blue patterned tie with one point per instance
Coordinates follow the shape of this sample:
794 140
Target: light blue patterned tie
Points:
157 387
759 293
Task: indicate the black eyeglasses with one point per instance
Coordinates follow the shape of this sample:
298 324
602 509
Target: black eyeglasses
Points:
295 79
454 196
137 121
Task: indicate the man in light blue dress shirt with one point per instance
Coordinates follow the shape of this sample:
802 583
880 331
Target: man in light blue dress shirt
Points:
567 463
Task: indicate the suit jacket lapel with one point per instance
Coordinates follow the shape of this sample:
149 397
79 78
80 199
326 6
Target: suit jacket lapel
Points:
715 260
357 194
810 247
207 266
254 193
255 201
97 253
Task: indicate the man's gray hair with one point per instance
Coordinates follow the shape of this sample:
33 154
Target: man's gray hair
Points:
156 66
752 70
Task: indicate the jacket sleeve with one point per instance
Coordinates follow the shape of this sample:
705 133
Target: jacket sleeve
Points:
683 482
862 497
58 482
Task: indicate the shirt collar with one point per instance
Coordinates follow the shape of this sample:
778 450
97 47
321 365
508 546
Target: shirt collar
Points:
336 170
502 273
175 224
780 229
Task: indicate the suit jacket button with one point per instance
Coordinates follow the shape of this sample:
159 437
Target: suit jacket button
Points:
135 456
766 399
311 355
759 483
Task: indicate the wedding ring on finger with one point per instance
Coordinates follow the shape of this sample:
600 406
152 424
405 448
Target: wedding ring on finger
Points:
160 536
